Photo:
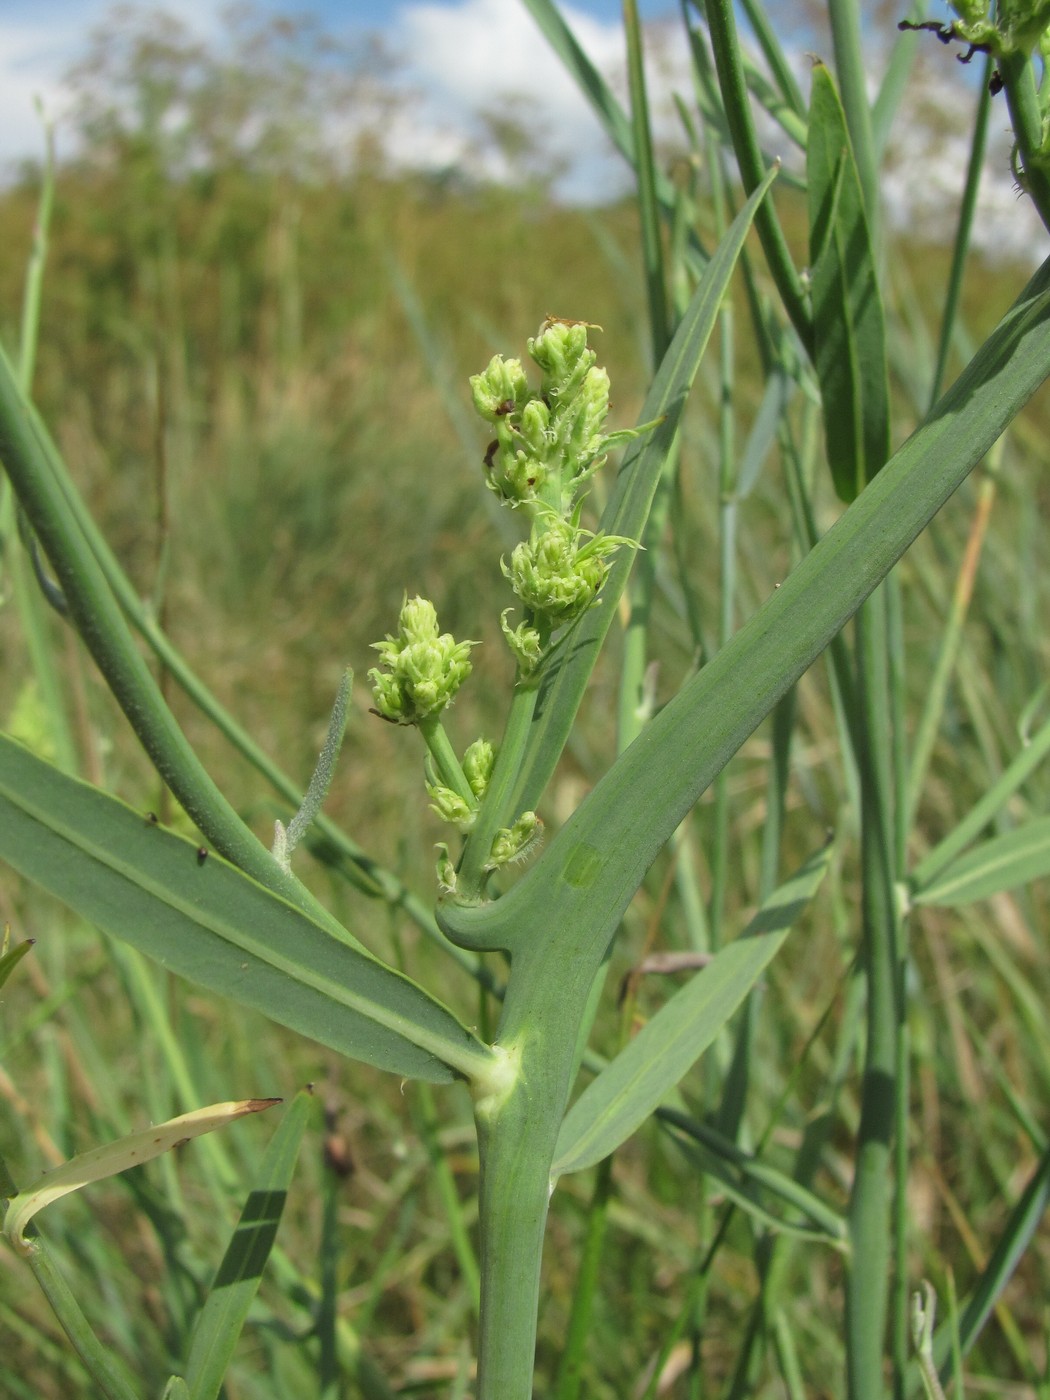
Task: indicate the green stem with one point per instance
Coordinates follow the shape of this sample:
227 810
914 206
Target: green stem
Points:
512 1204
518 1129
727 550
447 765
34 286
775 57
852 74
107 1373
1022 98
645 169
494 811
963 229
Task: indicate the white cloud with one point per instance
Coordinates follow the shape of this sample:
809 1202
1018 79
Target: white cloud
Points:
458 61
35 54
488 56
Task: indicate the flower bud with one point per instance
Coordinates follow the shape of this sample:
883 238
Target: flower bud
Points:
560 349
424 669
450 807
478 762
514 843
524 641
446 870
557 575
499 390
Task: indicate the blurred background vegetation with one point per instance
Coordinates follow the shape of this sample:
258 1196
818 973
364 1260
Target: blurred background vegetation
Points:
254 351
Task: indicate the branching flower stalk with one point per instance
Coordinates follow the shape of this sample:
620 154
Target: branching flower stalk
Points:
549 443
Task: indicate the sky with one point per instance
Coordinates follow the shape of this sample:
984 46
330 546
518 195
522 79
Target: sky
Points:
457 56
460 57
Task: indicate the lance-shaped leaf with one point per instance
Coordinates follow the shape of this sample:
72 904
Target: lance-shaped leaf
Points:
1001 863
237 1281
633 1085
10 959
848 327
207 921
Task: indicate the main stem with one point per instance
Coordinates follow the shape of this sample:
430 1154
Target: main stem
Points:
516 1154
517 1136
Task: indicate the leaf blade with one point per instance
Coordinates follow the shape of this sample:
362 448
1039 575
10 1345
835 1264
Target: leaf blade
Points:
209 922
631 1087
236 1282
1000 863
848 323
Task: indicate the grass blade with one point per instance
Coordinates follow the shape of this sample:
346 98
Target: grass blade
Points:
237 1280
1002 863
105 1369
110 1158
631 1087
848 327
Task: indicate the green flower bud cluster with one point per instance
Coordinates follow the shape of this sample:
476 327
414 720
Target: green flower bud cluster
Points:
517 842
558 571
548 442
424 669
452 806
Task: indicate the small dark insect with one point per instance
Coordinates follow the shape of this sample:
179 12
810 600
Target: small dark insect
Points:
490 452
202 854
502 409
151 818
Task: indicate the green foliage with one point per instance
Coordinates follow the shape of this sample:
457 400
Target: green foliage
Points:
848 331
279 460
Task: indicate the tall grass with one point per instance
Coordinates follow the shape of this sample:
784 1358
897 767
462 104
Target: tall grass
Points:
277 450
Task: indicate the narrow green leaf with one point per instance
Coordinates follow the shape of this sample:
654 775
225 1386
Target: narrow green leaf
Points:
176 1389
633 1085
205 920
10 960
1016 1236
237 1281
1001 863
617 125
848 325
747 1178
